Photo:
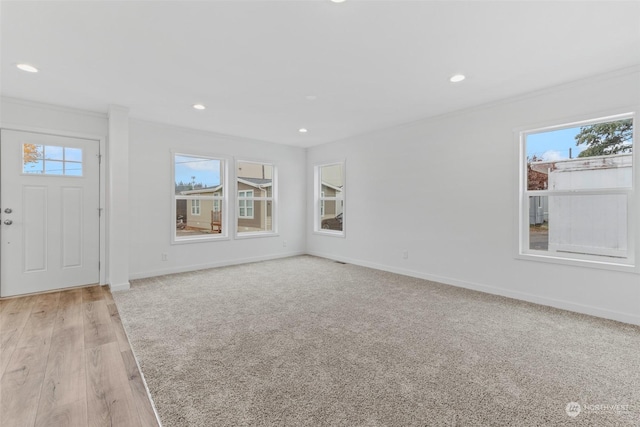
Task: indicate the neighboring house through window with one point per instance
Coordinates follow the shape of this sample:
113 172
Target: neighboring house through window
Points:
216 202
329 199
198 197
195 207
256 184
245 205
577 192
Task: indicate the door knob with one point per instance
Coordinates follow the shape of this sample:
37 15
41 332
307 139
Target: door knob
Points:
8 222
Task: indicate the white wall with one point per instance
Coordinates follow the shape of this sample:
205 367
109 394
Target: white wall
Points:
445 189
151 188
20 113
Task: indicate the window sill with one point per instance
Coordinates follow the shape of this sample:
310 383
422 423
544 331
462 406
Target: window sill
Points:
203 239
255 234
329 233
576 262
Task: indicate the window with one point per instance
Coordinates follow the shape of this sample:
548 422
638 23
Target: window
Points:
195 207
245 204
329 199
256 200
199 197
51 160
576 191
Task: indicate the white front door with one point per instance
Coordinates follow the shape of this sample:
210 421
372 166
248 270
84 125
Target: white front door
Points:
49 208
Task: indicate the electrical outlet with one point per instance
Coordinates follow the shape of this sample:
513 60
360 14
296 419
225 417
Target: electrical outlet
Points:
405 254
165 257
284 243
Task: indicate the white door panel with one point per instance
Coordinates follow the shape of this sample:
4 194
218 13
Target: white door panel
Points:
72 225
34 237
49 208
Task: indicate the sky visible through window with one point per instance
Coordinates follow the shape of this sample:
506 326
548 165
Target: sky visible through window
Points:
198 170
51 160
554 145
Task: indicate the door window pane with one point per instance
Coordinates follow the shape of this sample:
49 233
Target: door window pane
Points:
51 160
53 153
53 167
72 154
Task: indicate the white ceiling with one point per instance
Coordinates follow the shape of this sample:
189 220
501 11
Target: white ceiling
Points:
371 64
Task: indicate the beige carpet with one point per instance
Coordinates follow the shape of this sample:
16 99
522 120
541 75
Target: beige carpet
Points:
306 341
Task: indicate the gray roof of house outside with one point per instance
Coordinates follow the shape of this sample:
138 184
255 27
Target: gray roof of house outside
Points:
200 190
257 181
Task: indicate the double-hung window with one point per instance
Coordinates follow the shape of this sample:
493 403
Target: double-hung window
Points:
256 189
329 199
199 197
576 192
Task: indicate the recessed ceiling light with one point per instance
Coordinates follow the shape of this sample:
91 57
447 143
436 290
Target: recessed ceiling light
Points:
311 97
457 78
199 106
338 1
302 130
28 68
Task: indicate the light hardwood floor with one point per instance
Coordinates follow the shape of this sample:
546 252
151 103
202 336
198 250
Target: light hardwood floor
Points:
65 361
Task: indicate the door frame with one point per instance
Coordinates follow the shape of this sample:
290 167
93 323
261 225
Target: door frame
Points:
102 141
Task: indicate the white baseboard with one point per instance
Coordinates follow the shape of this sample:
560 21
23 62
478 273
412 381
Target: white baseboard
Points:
536 299
183 269
119 287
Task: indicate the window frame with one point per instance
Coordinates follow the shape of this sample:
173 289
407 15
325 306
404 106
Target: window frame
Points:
630 262
224 199
273 199
319 199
